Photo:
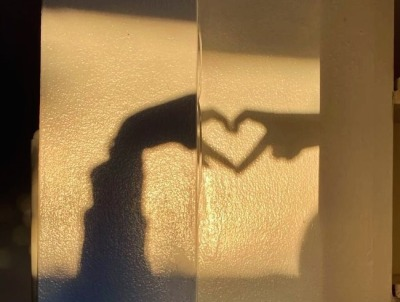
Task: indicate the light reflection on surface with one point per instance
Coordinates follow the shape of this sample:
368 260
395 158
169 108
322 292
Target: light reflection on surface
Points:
91 79
253 223
259 227
169 209
99 69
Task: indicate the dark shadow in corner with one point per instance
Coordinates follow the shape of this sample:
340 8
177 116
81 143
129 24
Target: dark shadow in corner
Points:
113 264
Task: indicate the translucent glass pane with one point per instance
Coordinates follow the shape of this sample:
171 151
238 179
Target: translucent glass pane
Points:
296 198
259 234
289 202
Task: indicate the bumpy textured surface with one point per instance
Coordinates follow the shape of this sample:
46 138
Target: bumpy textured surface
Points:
307 216
396 200
296 185
117 158
260 234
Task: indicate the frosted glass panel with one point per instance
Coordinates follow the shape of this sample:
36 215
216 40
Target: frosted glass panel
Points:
296 195
294 198
118 151
259 235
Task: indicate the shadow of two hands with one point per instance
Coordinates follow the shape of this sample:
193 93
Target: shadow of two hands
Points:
287 134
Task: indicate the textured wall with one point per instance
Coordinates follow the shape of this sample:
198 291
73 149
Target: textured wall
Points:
260 234
296 187
117 156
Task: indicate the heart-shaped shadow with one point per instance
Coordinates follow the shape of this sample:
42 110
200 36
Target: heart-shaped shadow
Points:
239 141
288 134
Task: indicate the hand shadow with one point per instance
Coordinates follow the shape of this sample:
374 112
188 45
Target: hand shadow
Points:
113 263
287 134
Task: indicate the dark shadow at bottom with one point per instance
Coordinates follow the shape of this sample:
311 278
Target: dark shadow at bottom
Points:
307 286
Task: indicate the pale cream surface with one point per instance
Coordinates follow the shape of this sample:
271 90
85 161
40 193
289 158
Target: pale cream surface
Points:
346 193
312 227
97 70
259 226
254 223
